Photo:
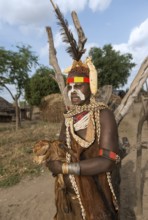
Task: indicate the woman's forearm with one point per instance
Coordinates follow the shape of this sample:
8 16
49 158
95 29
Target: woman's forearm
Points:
95 166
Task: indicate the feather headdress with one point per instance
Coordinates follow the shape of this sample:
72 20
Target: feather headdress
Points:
76 50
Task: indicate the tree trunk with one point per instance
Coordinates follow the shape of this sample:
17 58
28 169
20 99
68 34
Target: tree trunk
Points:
30 113
17 114
143 118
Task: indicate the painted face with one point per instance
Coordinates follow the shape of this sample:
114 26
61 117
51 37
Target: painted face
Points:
74 92
79 93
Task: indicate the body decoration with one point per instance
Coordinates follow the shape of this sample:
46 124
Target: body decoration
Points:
94 119
109 155
79 116
86 176
88 69
81 123
73 168
93 123
77 91
78 80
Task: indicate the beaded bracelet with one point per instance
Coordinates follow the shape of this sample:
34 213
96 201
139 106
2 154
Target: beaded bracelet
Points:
109 155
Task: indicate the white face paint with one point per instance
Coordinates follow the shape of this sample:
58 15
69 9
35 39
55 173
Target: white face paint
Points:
77 91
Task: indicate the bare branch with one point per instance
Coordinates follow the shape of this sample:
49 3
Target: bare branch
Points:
9 91
53 77
54 6
54 63
146 84
81 35
53 60
135 88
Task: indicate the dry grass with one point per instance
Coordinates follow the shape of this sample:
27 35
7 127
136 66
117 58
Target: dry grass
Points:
16 157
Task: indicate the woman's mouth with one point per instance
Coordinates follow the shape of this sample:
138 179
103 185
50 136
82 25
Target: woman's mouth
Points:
75 98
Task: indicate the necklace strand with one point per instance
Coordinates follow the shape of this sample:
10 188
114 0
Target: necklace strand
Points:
94 109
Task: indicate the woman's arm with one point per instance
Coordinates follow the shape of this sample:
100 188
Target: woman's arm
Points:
108 141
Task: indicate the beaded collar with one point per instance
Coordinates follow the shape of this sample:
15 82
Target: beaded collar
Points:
79 116
76 109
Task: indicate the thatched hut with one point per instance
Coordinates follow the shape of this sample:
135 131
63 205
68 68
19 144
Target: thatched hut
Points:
52 108
7 110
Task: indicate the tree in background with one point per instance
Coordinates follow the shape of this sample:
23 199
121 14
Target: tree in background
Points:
113 68
14 70
40 85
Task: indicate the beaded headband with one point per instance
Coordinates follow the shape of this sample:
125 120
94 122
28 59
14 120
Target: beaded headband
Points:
92 72
78 79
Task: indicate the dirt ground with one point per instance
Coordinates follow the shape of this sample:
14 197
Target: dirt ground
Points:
33 199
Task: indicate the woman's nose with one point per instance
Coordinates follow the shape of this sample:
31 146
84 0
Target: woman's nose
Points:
73 92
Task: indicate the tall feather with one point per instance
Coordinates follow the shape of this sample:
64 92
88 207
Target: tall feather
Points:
67 35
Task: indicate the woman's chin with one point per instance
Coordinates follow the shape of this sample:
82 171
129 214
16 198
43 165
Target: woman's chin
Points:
75 101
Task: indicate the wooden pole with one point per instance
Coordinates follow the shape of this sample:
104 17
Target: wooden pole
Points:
142 119
134 90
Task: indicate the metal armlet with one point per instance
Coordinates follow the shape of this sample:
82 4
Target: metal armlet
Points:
71 168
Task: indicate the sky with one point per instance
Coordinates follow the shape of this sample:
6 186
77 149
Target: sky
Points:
122 23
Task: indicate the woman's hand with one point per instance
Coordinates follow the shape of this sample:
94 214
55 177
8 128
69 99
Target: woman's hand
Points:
55 166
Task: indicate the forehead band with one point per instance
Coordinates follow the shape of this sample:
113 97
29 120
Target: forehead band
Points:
78 79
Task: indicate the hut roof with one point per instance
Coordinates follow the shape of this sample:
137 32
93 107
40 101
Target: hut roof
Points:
5 105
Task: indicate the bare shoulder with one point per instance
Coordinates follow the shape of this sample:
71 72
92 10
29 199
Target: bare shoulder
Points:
107 117
109 130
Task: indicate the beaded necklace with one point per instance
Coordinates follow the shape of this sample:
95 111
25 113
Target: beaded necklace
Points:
92 106
94 114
